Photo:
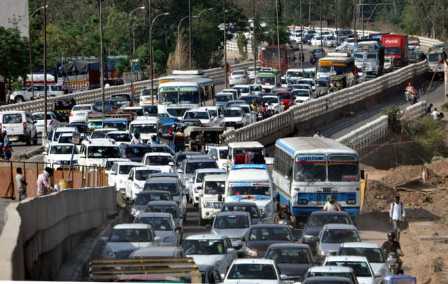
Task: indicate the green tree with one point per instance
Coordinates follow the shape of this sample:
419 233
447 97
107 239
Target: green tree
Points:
13 55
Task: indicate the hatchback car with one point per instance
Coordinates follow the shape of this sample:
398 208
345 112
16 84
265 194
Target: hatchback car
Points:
333 235
163 227
233 225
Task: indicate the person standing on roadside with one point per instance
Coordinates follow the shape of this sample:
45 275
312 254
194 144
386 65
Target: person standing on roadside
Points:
397 215
20 184
43 182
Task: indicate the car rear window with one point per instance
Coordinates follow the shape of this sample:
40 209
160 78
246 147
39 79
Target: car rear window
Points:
12 118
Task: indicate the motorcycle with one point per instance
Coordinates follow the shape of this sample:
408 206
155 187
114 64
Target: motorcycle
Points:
393 263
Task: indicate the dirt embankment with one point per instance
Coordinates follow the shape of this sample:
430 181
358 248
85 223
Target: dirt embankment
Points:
424 191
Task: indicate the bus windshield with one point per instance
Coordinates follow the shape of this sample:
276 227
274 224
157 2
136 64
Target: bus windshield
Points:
342 168
249 190
310 168
265 80
180 95
248 156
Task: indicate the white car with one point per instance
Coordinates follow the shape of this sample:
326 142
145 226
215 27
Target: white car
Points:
121 137
316 41
220 154
19 126
56 134
302 95
136 179
61 154
80 113
118 174
332 271
210 202
98 152
101 133
329 40
198 179
234 117
164 161
126 238
52 121
253 270
238 77
210 250
200 114
147 127
363 271
39 92
372 251
243 90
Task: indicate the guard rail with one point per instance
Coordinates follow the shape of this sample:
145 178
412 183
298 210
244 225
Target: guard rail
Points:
284 123
91 96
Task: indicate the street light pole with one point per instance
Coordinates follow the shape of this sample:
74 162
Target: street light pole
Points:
189 35
45 134
152 53
254 42
226 69
103 95
278 36
132 32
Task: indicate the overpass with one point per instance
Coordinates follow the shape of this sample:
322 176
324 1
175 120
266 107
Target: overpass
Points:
39 233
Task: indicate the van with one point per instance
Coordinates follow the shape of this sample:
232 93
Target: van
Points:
19 126
251 183
211 198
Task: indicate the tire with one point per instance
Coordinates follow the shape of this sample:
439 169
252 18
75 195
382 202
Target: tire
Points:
19 99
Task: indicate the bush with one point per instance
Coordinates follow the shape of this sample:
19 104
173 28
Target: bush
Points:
393 115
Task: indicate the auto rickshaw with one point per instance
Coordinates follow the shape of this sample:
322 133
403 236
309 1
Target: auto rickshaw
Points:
197 138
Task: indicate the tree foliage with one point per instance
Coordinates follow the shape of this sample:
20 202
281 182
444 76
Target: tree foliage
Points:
13 54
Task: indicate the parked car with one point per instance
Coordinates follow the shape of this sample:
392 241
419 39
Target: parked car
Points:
210 249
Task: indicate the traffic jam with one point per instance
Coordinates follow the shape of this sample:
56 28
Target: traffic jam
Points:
197 209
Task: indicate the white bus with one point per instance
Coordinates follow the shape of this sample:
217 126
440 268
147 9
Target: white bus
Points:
308 171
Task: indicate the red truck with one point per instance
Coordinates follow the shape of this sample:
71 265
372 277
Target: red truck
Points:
395 49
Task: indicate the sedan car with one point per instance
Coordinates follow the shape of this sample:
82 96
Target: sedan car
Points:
333 235
260 236
249 270
293 260
166 207
372 251
143 198
238 77
163 227
246 206
332 271
233 225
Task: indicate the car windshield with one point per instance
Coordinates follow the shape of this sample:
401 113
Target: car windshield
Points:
203 247
231 222
289 255
270 234
177 112
361 269
143 174
170 187
119 137
224 98
339 236
125 169
320 220
143 198
253 271
301 93
63 149
158 160
265 80
214 187
120 125
249 190
310 169
131 236
374 255
157 223
136 151
196 115
252 210
163 208
143 128
232 113
12 118
342 168
223 153
103 152
40 116
192 166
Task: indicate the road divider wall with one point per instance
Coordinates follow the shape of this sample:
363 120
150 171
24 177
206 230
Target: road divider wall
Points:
40 233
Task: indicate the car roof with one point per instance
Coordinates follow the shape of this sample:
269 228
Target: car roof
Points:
213 177
264 225
248 174
154 214
211 170
351 258
360 245
254 261
158 154
232 213
66 129
131 226
289 246
161 180
330 268
339 226
198 160
100 142
145 120
321 212
162 202
205 237
127 163
246 144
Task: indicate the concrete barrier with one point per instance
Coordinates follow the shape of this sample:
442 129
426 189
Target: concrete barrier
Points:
39 233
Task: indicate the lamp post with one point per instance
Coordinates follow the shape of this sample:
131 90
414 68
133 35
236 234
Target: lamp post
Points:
30 56
45 134
226 68
278 36
151 53
103 95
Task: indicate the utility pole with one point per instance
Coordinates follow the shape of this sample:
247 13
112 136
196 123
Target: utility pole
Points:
226 68
320 19
254 41
45 134
189 35
278 37
309 13
103 95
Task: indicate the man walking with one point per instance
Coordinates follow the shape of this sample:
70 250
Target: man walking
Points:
397 215
43 182
20 184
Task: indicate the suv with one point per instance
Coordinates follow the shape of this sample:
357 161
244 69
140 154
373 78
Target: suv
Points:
211 201
19 125
39 92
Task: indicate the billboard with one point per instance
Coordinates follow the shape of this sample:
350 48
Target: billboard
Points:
14 13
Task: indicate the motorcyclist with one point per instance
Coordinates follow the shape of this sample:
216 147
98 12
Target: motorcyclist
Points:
393 246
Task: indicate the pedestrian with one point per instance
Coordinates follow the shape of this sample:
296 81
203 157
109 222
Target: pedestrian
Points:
136 138
332 205
7 149
397 215
20 184
43 182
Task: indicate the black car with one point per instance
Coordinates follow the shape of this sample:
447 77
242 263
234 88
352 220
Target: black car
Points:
317 220
135 152
260 236
293 260
249 207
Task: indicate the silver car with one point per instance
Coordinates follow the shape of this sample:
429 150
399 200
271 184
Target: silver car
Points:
163 227
233 225
333 235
